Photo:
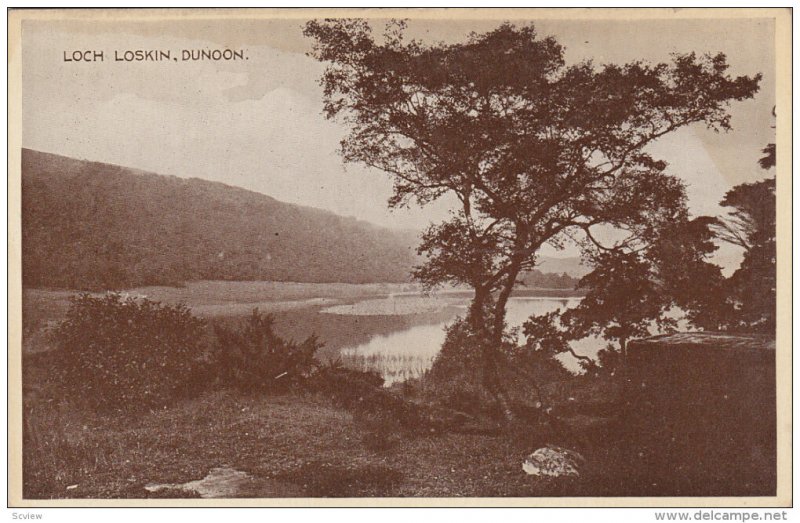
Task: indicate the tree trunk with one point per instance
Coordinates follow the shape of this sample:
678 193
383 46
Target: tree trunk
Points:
480 325
495 341
477 309
499 319
498 330
623 360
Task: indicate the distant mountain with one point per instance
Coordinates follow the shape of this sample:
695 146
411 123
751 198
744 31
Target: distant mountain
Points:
571 266
547 280
90 225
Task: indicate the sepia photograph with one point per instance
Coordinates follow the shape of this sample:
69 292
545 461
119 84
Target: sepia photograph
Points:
400 257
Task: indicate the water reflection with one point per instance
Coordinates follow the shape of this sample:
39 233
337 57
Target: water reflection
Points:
409 352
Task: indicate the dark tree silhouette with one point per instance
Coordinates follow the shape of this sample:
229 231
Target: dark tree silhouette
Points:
629 291
769 159
751 225
531 148
751 219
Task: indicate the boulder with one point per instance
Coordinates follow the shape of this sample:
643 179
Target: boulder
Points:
553 461
221 482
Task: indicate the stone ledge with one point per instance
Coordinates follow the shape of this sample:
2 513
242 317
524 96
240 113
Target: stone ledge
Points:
715 340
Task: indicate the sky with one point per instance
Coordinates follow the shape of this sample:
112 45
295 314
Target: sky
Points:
258 123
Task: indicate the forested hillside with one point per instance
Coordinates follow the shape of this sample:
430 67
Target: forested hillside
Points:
89 225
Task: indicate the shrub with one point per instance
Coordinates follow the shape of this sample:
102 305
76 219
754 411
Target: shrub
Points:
381 416
128 353
347 387
456 377
255 359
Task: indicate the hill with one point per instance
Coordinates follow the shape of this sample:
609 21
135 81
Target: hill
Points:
571 266
90 225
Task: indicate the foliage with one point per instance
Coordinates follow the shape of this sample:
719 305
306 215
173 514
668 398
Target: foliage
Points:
750 293
129 353
535 151
255 359
751 218
608 360
769 159
751 290
629 292
530 146
546 334
623 298
455 378
346 386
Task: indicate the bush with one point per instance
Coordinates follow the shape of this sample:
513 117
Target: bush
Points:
255 359
346 387
129 353
456 378
457 381
381 416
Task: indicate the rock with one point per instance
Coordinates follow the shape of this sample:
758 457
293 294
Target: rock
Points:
226 482
553 461
221 482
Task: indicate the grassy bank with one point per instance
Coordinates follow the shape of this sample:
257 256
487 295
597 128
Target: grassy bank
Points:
295 445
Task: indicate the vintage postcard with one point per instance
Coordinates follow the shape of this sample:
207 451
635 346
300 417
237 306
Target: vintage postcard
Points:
400 257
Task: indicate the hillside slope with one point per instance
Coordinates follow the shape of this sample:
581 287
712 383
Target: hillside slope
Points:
89 225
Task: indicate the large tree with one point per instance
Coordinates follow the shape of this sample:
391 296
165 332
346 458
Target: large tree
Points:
532 149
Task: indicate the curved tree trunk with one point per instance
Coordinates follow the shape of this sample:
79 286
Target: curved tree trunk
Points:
498 330
492 355
481 325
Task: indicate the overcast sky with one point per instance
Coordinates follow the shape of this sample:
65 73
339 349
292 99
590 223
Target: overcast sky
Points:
257 123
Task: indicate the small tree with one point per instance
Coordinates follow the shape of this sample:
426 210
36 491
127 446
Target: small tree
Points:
769 159
530 148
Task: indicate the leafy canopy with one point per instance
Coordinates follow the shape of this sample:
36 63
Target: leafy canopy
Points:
751 224
533 148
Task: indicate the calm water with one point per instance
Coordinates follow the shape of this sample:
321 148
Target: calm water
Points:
408 352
